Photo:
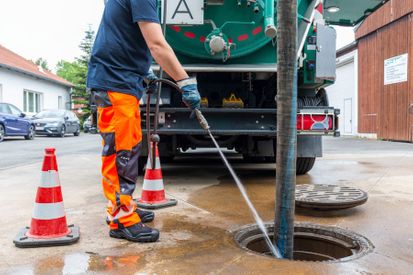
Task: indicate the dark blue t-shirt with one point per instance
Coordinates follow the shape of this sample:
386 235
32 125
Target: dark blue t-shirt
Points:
120 56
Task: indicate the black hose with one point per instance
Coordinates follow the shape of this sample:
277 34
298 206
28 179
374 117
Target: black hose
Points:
155 138
152 136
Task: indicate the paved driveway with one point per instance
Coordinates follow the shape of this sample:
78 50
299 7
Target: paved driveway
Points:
197 235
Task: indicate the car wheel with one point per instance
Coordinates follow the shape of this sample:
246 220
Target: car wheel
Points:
62 132
31 133
77 133
2 133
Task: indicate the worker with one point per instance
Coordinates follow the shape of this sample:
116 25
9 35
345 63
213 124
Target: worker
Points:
128 37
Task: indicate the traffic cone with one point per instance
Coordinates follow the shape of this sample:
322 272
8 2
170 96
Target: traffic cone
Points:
153 192
48 226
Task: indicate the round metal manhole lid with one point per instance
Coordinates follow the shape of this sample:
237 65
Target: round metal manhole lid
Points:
328 197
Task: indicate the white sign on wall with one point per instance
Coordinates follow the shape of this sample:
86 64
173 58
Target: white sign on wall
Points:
184 12
396 69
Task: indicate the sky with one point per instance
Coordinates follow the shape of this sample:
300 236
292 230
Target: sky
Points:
53 29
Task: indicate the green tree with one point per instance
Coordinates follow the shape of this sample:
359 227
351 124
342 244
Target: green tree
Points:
76 72
42 63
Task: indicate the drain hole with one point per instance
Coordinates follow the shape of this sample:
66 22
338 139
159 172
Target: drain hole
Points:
311 242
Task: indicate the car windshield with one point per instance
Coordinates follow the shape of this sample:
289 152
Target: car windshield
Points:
50 114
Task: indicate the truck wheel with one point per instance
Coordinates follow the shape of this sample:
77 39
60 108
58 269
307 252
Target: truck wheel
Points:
304 165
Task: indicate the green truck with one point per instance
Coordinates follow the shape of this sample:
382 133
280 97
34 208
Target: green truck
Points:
230 46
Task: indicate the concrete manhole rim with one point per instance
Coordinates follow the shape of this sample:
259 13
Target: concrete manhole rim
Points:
364 244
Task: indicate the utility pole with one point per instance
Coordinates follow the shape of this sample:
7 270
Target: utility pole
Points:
286 126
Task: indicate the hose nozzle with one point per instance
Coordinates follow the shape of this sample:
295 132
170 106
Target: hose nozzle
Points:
202 120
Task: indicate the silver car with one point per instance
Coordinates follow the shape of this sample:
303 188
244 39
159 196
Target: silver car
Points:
56 123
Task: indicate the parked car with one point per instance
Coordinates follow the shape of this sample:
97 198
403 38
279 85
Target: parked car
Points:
89 127
87 124
14 122
56 123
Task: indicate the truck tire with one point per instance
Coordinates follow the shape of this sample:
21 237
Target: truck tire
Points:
304 165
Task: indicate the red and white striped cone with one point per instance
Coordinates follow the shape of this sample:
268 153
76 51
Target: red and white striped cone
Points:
153 192
48 226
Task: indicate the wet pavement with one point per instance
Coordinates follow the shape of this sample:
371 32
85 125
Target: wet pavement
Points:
197 235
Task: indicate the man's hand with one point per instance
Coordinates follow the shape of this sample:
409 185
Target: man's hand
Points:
190 96
150 77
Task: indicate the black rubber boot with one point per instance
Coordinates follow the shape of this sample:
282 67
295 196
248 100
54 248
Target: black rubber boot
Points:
135 233
146 216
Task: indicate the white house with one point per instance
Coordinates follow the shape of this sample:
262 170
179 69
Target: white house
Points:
343 94
29 87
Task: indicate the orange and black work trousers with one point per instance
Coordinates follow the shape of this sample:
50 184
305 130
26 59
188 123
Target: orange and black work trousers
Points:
120 127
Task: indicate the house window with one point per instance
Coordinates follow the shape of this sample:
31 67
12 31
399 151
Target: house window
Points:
31 102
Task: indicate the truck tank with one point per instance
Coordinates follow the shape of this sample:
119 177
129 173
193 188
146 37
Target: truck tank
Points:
230 46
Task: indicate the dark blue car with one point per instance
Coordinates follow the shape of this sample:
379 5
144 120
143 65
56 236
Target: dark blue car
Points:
13 122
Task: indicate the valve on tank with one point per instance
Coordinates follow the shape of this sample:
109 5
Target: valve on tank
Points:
218 43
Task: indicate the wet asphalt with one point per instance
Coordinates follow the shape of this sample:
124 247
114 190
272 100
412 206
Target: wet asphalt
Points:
16 151
197 235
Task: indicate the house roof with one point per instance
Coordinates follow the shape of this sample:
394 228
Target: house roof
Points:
12 61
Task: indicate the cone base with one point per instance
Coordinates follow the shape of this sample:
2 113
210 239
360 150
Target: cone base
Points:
156 205
23 241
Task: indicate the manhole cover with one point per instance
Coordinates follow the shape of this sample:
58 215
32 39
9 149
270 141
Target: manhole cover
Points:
328 197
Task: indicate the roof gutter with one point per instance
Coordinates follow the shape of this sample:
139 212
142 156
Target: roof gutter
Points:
17 70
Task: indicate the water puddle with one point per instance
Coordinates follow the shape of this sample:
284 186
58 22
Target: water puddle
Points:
180 238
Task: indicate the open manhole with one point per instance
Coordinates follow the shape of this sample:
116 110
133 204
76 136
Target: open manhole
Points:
328 197
311 242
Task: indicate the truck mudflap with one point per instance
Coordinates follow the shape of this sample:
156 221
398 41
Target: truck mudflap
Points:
317 121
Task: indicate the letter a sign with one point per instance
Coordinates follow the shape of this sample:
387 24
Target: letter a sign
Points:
184 12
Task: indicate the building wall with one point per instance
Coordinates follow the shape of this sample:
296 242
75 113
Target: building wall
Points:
14 84
343 94
386 109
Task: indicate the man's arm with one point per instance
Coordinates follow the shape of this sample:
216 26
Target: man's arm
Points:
161 51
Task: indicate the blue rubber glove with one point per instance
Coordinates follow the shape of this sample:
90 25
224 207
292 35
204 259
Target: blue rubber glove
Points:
149 78
190 96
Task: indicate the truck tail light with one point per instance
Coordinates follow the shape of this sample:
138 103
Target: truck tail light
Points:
315 122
